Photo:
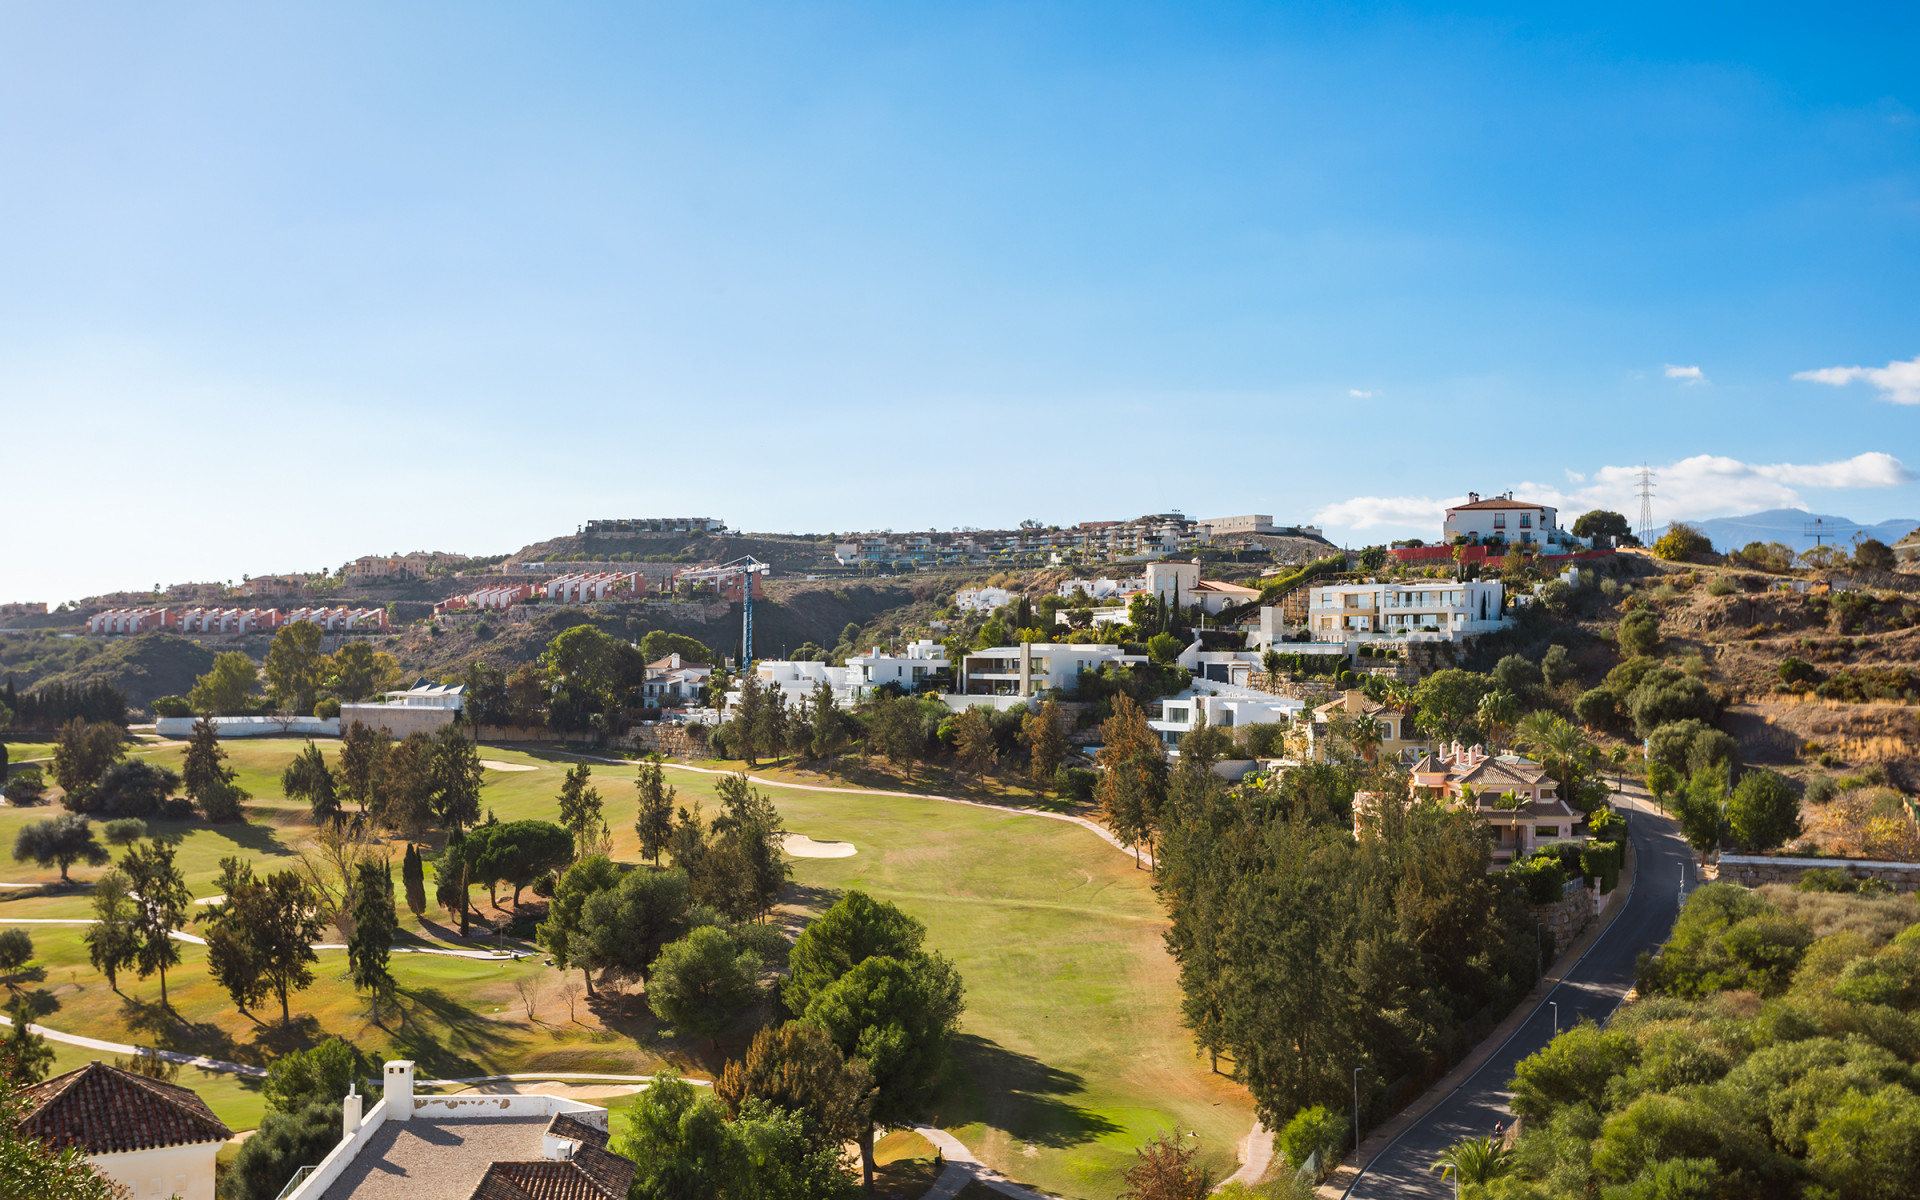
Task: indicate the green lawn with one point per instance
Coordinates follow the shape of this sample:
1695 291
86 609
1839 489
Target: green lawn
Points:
1072 1051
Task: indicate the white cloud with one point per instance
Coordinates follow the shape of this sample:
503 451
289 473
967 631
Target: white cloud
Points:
1357 394
1686 374
1898 382
1705 485
1368 512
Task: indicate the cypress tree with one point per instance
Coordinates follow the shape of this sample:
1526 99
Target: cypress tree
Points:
413 874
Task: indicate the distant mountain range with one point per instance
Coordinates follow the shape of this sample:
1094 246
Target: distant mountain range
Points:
1790 525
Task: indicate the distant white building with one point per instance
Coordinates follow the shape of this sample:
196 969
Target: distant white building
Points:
1504 519
1103 588
923 659
981 599
853 682
1420 609
1223 706
1034 667
674 680
1214 527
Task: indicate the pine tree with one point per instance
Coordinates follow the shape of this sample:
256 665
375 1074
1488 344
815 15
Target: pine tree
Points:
1134 784
655 822
580 805
1046 742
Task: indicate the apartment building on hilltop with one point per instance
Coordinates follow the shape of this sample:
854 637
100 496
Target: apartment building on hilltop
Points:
400 566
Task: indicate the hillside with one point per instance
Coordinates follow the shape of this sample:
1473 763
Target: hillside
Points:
788 555
152 664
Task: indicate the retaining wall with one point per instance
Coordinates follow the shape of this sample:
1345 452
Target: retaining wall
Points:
1752 870
1565 918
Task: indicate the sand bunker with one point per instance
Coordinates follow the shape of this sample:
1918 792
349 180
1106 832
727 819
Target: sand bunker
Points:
573 1091
801 846
494 764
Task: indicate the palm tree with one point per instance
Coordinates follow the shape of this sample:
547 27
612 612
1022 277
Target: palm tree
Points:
1474 1160
1497 712
1534 729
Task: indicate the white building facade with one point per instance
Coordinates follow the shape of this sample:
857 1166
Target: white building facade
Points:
1424 609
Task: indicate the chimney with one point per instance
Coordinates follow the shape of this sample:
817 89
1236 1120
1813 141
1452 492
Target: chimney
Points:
399 1090
350 1112
1473 497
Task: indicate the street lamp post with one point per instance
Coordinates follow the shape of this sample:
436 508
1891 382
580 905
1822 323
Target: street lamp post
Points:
1556 1017
1356 1115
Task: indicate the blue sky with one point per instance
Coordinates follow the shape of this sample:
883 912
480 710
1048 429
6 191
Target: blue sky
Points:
282 285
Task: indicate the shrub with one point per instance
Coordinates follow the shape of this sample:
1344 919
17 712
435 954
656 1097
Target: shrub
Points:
1720 585
1075 783
1639 632
1682 542
26 786
1543 879
220 800
132 787
171 706
1763 811
1797 670
326 708
283 1144
1518 675
1827 879
1820 791
1596 707
124 830
1313 1131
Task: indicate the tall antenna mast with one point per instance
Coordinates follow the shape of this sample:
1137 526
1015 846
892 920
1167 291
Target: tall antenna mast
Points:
1646 505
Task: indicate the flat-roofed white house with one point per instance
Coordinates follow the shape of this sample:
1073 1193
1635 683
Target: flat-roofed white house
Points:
981 599
1223 707
1032 667
424 707
465 1147
155 1139
1431 609
924 658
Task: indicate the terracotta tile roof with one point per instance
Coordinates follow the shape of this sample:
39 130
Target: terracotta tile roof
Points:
105 1110
1495 774
591 1174
567 1125
1496 502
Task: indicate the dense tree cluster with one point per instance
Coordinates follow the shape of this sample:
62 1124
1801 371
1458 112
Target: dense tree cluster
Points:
1305 951
54 704
1771 1055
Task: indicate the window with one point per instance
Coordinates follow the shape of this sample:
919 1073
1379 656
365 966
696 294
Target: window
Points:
1546 831
1526 520
1500 520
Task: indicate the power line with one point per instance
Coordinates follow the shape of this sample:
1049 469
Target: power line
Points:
1646 505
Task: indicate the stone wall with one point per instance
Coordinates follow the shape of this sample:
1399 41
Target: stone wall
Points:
668 741
530 733
1564 919
399 720
1751 870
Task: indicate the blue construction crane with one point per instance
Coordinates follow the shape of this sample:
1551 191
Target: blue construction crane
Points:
746 568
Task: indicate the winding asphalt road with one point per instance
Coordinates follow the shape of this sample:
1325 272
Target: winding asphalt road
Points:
1663 874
